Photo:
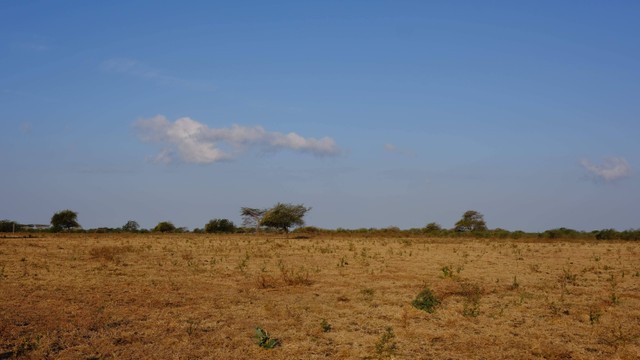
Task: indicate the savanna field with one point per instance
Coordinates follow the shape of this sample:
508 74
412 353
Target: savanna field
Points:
198 296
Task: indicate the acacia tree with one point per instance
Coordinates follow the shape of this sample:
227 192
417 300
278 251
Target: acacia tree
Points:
65 220
251 217
471 221
284 216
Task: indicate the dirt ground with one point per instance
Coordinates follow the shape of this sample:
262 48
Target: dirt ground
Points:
197 296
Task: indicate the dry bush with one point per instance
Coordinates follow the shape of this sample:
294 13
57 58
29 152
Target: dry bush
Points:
110 253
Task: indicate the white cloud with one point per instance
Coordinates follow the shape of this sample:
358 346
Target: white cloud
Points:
195 142
612 169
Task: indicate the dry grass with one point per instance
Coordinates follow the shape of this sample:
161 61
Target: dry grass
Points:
187 296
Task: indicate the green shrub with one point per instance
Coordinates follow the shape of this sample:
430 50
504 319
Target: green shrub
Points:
426 301
264 340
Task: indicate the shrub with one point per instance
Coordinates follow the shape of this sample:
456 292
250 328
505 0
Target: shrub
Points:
426 301
264 340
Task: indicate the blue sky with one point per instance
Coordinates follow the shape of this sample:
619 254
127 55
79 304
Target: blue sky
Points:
374 113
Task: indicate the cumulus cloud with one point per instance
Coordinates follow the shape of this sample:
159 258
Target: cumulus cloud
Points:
194 142
611 169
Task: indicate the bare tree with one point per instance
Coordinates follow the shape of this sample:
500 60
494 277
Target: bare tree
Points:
251 217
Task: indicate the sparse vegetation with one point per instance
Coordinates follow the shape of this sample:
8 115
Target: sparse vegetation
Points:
386 345
109 295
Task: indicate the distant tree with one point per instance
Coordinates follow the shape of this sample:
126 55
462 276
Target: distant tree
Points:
9 226
607 234
164 226
433 227
471 221
251 217
284 216
131 226
220 226
64 220
562 233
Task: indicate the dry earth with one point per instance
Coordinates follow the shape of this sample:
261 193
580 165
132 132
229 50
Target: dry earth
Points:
195 296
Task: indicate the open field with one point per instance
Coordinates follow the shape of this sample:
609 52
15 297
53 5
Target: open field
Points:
190 296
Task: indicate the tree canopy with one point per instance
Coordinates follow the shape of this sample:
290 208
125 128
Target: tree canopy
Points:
284 216
471 221
65 220
165 226
131 226
251 217
8 226
220 226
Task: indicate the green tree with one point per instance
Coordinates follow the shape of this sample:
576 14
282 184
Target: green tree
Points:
471 221
220 226
432 227
164 226
131 226
65 220
9 226
284 216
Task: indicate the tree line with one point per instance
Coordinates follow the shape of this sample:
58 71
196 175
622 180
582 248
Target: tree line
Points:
283 217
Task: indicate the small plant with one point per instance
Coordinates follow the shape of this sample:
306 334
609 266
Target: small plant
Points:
447 271
387 346
265 282
25 347
294 278
472 294
426 301
515 284
193 325
594 315
264 340
326 327
367 294
343 262
243 263
568 277
615 299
